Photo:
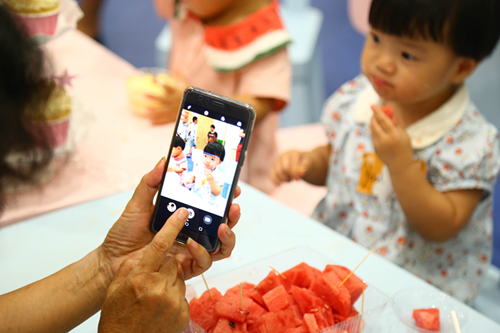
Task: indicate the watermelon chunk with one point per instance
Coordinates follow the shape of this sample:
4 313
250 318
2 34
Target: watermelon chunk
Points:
277 299
389 112
427 319
270 282
327 285
255 311
300 329
227 326
229 307
277 321
301 275
247 289
354 284
202 310
310 323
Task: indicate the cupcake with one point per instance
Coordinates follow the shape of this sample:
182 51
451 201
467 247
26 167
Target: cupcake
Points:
144 84
54 122
38 16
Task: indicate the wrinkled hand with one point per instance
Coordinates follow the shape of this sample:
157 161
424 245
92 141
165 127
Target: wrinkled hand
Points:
291 165
170 102
149 296
390 140
131 234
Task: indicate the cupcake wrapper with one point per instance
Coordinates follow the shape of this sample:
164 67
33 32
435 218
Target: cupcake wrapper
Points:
39 25
55 131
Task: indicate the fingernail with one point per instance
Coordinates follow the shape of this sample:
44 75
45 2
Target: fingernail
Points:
159 162
183 214
192 243
228 230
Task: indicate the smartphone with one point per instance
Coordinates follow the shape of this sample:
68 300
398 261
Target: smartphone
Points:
205 158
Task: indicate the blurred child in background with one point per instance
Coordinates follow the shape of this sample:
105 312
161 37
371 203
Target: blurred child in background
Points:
235 48
411 163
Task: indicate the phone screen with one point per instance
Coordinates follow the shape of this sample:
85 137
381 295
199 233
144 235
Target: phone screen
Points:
202 168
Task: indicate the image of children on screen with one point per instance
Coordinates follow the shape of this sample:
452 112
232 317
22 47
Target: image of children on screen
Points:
203 162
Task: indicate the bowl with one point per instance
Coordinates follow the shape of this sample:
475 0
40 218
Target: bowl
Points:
407 300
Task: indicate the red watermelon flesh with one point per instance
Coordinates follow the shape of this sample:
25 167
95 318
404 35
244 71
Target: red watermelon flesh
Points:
427 319
389 112
300 329
255 311
327 285
202 310
270 282
226 326
277 299
354 284
310 323
307 301
301 275
257 297
247 289
277 321
229 307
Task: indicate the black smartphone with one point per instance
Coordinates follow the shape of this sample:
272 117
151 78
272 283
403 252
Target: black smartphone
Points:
204 162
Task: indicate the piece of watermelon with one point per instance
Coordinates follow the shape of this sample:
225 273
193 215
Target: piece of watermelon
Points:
310 323
247 289
255 311
257 297
277 321
277 299
229 307
427 319
299 329
202 310
307 301
354 284
389 112
270 282
327 287
227 326
301 275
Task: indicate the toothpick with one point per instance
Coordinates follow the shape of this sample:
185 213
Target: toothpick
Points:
362 311
348 276
206 285
276 271
454 319
241 296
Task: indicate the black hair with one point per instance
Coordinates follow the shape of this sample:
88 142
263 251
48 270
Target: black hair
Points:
212 126
215 148
178 142
195 119
23 85
470 27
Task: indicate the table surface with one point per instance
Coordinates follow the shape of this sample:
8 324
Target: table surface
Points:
35 248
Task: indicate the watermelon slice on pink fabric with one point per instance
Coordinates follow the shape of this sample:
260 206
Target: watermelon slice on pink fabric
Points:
327 287
227 326
310 323
354 284
427 319
247 289
229 307
202 310
277 299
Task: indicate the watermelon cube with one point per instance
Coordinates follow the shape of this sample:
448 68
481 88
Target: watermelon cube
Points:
310 323
278 321
257 297
327 287
229 307
300 329
301 275
427 319
227 326
255 311
202 310
354 284
277 299
247 289
270 282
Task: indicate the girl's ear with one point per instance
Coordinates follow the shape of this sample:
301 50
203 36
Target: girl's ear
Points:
465 68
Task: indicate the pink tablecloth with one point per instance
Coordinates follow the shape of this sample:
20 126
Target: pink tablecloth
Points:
120 147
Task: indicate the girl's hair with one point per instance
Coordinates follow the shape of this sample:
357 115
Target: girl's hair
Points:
215 148
470 27
23 84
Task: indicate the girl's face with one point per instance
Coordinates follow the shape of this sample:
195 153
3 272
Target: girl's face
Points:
205 9
210 161
409 71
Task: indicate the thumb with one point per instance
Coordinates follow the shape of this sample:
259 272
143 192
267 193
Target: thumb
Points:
142 199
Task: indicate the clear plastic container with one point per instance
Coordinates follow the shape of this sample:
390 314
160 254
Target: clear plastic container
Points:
374 303
405 301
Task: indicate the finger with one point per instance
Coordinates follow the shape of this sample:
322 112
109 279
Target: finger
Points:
281 170
301 168
169 270
201 258
385 122
377 132
124 270
227 242
234 215
142 199
237 192
157 98
159 247
179 283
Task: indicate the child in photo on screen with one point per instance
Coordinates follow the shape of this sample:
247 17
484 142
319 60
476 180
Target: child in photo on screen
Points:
178 161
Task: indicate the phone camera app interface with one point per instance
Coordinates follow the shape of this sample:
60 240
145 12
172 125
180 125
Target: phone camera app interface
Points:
201 168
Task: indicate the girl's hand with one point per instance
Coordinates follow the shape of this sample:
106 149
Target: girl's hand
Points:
170 101
209 176
291 165
391 142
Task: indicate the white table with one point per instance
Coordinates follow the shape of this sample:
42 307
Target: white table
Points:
35 248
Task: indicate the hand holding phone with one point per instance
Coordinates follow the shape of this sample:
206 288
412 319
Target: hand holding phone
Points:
207 186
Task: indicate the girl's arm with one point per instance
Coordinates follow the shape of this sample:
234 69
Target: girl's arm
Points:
59 302
437 216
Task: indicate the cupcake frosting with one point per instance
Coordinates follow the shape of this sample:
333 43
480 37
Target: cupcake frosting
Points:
57 107
31 6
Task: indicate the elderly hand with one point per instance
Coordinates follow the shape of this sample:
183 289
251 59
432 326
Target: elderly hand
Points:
131 234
